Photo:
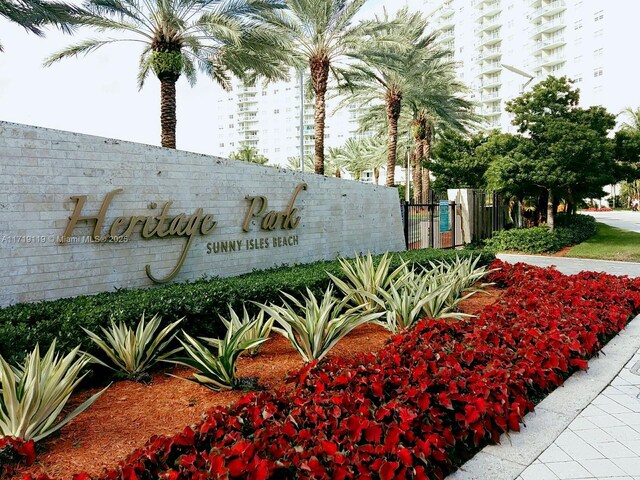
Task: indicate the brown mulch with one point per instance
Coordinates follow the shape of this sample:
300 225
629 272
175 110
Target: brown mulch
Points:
129 413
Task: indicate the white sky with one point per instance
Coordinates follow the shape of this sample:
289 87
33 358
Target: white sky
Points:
97 94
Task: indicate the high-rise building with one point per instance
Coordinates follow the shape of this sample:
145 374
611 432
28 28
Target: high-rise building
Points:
268 119
504 46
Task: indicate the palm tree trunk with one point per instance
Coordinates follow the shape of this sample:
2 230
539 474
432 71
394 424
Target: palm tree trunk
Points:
550 211
319 78
393 104
426 184
168 110
417 177
417 181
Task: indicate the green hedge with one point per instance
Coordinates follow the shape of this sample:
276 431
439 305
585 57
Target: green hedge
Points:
25 324
569 231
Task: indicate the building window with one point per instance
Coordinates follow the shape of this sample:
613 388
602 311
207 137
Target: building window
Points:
599 33
577 25
221 145
598 16
598 52
276 111
231 125
264 93
598 72
578 79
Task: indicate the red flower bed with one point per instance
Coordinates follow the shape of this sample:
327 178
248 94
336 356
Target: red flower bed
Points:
14 452
429 400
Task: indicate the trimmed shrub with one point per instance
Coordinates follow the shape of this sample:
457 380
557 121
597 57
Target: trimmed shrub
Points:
24 325
569 230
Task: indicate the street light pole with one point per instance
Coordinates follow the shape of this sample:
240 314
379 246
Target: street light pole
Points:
301 120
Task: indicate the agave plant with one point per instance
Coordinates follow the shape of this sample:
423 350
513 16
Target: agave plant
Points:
217 372
34 394
365 279
461 275
134 353
416 297
260 328
313 327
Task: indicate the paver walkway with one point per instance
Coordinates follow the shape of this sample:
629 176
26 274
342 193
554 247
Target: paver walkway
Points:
603 441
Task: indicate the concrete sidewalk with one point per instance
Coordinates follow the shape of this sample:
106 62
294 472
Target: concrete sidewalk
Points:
570 266
589 428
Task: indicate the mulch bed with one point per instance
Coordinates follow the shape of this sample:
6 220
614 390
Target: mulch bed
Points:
129 413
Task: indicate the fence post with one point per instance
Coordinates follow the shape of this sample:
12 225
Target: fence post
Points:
405 216
432 235
453 225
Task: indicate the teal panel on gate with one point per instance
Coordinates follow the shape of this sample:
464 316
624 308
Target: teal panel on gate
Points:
444 216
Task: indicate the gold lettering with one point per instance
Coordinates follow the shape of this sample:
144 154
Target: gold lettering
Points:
257 208
133 221
204 230
117 223
161 219
291 221
174 228
76 217
176 269
270 221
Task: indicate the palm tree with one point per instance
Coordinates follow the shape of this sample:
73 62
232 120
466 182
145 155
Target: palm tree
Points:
632 118
436 103
321 35
249 154
34 15
293 163
217 37
392 58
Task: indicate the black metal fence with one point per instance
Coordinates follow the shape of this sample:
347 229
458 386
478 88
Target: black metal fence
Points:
433 224
488 214
430 225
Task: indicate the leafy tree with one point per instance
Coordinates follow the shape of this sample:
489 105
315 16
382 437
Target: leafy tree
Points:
34 15
565 149
249 154
455 163
217 37
321 34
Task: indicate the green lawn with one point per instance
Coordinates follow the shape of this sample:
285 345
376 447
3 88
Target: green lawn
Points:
609 243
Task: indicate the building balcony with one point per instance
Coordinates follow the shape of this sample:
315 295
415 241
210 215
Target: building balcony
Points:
549 43
549 9
490 82
490 67
445 35
549 26
488 8
490 53
490 97
490 25
490 38
550 60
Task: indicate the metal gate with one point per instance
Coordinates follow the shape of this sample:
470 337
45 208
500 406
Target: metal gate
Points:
488 214
430 225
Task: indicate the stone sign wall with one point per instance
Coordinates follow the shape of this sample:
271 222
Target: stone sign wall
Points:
82 214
